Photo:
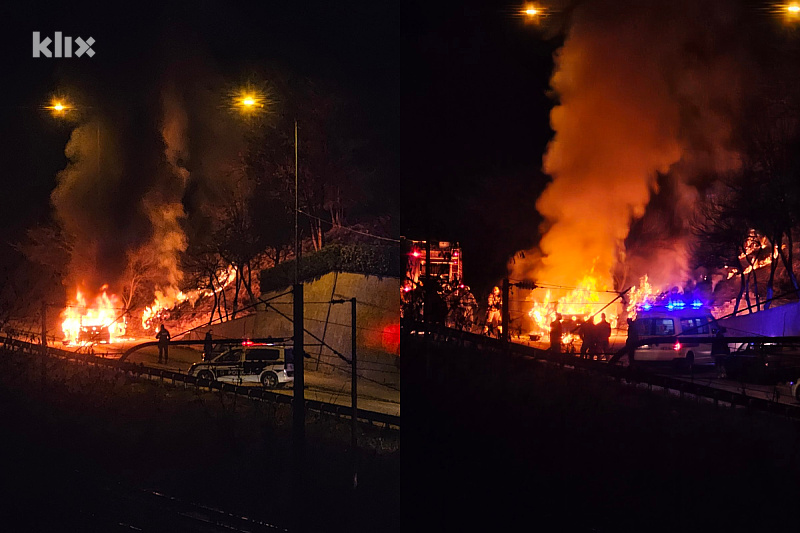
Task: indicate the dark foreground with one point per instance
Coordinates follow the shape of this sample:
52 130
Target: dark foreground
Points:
492 445
85 449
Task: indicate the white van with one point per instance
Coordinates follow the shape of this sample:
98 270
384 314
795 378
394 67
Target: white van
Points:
667 321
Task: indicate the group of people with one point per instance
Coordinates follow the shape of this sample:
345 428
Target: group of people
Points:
451 303
595 338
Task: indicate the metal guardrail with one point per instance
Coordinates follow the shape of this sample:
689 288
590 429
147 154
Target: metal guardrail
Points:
254 393
634 375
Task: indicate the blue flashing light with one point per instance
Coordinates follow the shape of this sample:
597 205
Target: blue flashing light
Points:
680 304
671 306
647 307
697 304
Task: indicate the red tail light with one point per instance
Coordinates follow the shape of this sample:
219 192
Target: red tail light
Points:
677 346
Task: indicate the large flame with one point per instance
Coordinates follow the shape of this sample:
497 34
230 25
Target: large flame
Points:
641 295
585 302
104 312
171 297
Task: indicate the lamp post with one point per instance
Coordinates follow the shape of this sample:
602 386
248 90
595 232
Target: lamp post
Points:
353 387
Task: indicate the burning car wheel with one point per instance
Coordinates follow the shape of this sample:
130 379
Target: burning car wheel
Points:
205 374
269 380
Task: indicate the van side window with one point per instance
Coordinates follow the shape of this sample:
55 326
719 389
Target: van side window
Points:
664 326
231 357
644 326
694 326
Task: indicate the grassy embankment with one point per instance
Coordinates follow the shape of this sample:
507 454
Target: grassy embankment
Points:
208 448
520 444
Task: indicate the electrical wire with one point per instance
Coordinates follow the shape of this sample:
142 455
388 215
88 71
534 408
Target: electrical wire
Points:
348 229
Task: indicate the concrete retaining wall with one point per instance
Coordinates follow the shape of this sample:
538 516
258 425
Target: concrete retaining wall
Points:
377 323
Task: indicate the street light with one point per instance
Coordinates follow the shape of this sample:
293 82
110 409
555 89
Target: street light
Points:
790 12
59 107
532 13
249 100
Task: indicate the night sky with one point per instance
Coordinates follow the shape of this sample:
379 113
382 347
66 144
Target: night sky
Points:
450 100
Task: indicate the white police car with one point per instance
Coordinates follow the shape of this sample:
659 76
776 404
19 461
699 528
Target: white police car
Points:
268 364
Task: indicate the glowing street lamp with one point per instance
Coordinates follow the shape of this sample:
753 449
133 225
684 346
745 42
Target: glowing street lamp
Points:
249 101
791 12
532 13
59 107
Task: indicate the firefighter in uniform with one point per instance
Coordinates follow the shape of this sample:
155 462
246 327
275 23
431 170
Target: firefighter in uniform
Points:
555 335
467 306
494 318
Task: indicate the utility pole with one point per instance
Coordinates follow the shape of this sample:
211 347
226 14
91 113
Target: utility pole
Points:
426 307
296 211
506 313
354 394
298 403
44 340
353 387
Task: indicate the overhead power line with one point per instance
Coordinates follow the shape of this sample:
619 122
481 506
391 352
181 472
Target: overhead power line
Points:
348 229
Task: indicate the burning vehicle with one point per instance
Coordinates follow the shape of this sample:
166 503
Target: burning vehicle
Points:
94 334
101 320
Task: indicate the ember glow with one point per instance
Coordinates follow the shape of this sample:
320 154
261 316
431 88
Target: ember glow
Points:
88 321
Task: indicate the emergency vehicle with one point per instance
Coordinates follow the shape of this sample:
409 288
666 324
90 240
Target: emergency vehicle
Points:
675 318
445 262
270 364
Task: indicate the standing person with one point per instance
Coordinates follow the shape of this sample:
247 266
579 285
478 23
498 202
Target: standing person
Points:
208 346
631 342
603 334
163 337
494 317
588 334
555 335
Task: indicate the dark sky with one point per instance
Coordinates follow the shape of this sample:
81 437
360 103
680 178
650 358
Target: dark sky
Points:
451 99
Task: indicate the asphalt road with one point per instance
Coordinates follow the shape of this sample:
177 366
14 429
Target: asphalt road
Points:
329 387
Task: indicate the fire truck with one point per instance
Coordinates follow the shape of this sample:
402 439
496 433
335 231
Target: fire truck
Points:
452 303
445 262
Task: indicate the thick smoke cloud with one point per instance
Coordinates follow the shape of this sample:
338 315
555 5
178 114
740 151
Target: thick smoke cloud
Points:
141 179
645 89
